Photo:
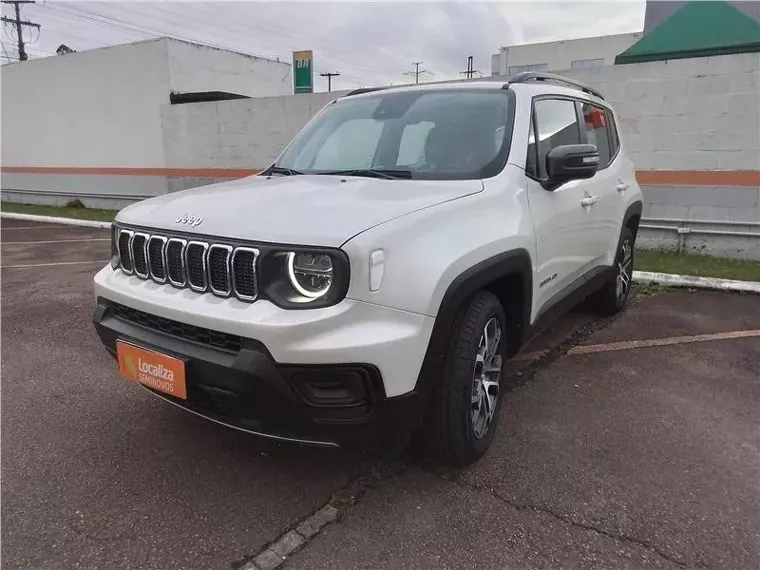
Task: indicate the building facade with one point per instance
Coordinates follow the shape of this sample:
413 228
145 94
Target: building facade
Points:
563 54
600 51
89 122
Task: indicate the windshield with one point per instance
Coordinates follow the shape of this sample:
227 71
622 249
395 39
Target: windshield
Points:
412 134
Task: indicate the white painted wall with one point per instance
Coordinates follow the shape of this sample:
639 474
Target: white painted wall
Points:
197 68
686 114
242 133
101 108
683 114
97 108
560 54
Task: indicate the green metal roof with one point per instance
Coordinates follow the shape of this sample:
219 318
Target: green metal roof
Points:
698 29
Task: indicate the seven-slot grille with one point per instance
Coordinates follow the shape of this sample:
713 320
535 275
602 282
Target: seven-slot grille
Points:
219 268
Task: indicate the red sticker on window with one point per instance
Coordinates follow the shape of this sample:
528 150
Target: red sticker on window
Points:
596 118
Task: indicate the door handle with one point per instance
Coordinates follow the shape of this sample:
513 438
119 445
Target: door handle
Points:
621 186
589 201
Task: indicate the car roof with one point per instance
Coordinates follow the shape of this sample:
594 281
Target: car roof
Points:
532 89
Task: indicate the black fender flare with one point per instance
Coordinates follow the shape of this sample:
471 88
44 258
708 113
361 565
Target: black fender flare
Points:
634 209
477 277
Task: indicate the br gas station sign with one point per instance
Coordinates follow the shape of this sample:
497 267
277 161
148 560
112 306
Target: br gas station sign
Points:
303 71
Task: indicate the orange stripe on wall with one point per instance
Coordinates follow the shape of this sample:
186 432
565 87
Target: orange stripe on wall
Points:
647 177
698 177
178 172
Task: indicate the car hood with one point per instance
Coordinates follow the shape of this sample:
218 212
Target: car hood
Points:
306 209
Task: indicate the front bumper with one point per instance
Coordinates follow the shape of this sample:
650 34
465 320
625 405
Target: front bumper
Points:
236 382
392 341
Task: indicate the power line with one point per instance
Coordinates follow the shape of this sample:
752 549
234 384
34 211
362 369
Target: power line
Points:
228 29
235 35
19 22
5 52
266 27
60 25
417 71
227 26
470 71
54 10
329 75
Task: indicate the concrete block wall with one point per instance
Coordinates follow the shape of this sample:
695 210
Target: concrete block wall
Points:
691 126
693 115
238 134
686 114
700 114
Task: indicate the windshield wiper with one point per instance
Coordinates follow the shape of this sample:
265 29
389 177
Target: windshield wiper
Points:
282 170
371 173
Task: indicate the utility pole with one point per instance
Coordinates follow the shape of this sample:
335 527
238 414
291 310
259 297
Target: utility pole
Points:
19 22
417 71
329 76
470 71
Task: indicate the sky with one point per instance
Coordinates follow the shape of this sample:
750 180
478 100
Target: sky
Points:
369 43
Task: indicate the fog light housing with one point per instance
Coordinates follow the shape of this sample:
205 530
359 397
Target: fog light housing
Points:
338 394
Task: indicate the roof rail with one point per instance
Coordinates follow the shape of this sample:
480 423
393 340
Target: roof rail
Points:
363 90
526 76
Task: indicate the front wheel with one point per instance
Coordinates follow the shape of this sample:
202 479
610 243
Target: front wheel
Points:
613 296
466 402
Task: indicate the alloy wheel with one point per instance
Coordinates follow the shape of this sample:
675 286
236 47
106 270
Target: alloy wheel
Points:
624 270
486 377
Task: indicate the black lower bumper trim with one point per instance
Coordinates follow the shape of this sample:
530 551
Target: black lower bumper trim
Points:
221 421
246 389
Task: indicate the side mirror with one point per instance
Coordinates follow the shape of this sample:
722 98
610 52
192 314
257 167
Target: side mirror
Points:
570 162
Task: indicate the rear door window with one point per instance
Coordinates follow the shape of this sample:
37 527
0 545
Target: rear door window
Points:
596 131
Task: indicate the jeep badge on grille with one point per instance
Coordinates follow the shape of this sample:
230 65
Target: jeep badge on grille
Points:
191 221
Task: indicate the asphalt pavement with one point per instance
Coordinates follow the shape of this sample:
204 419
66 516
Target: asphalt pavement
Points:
619 458
643 457
97 472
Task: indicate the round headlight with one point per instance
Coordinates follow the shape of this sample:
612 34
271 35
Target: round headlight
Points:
311 274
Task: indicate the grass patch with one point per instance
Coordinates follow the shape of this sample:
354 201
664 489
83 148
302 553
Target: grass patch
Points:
698 265
649 289
72 211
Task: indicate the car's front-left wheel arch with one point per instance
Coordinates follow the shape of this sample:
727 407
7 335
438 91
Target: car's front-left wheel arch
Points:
464 406
632 217
507 276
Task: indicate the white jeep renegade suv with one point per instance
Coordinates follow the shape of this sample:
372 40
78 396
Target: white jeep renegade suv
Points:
371 283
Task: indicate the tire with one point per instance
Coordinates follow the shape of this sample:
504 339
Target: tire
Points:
613 296
458 431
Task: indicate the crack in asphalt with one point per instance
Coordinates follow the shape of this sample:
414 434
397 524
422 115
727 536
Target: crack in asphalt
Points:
348 496
524 376
563 518
343 499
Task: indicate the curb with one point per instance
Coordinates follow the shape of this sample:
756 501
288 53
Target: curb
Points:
672 280
54 220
